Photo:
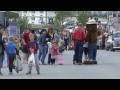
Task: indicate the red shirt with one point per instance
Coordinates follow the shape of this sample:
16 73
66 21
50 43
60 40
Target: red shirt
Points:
79 34
54 49
33 45
26 38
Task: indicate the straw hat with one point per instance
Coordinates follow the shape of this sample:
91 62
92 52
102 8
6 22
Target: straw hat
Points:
92 21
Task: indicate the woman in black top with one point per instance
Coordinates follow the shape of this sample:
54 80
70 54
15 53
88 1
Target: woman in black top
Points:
66 40
49 36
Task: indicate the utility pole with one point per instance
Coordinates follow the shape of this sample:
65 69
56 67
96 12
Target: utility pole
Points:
117 21
46 17
108 21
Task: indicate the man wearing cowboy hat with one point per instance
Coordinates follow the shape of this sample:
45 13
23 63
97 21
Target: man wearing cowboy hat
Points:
79 38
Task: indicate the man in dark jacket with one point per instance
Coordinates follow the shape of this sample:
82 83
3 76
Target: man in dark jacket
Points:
42 46
2 42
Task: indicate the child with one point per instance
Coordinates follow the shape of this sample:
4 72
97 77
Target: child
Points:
86 50
33 48
54 51
11 52
61 49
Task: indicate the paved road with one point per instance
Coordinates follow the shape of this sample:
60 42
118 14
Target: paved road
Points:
108 68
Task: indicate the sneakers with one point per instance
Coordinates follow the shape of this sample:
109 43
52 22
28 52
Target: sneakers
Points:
80 63
25 62
38 72
28 73
44 64
1 74
73 62
16 69
10 73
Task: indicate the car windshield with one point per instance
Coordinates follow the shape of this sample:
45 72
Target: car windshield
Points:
117 35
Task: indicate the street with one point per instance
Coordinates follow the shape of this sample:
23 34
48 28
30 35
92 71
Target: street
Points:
108 68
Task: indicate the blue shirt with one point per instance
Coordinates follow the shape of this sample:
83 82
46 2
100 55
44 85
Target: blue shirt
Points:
10 47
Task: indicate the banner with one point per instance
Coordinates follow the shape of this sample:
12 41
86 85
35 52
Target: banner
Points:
14 31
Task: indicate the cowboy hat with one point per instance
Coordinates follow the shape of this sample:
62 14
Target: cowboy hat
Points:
91 21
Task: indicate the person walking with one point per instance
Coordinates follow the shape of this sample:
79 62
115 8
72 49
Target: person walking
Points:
25 40
11 51
42 46
2 49
33 48
79 38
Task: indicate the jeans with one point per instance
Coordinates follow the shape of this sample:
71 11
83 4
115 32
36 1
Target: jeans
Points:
11 61
92 51
1 60
42 53
78 51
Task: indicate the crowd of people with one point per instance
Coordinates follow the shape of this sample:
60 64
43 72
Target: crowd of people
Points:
47 43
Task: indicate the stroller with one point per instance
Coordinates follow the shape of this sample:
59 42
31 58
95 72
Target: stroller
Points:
71 45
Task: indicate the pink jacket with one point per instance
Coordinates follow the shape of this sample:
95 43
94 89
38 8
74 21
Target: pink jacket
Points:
54 50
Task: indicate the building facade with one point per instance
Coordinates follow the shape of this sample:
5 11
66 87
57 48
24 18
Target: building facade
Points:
38 17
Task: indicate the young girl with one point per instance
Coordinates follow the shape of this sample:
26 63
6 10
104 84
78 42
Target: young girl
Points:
11 52
85 49
54 51
33 48
60 55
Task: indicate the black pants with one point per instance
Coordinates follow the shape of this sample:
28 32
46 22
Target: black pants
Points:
66 46
49 58
53 61
11 60
85 51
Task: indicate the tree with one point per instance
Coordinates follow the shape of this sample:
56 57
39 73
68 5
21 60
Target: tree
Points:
23 23
83 17
60 17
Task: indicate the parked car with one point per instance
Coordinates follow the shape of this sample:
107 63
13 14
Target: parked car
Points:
113 41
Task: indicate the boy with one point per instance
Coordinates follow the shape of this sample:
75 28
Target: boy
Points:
33 48
11 52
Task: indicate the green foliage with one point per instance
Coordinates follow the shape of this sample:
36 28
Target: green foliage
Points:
59 18
24 23
11 15
83 16
29 25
